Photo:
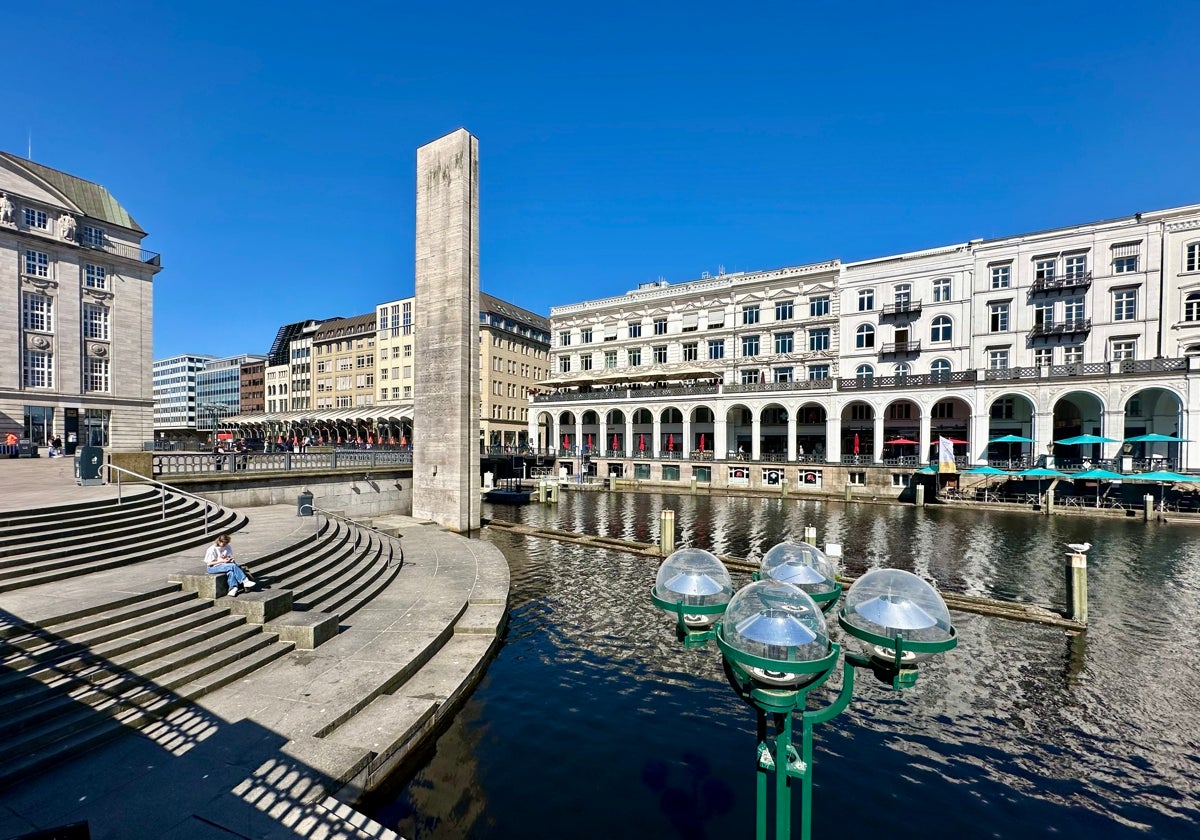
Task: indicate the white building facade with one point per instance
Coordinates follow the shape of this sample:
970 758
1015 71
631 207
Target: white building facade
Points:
1090 329
175 393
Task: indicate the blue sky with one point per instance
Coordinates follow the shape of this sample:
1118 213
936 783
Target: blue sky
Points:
269 148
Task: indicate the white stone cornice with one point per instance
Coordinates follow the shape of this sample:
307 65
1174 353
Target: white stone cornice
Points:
1190 224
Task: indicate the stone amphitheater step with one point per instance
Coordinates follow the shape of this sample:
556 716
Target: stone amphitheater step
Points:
339 582
114 530
147 545
16 527
54 513
148 656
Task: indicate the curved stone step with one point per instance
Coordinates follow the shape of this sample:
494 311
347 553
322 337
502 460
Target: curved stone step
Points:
124 522
177 541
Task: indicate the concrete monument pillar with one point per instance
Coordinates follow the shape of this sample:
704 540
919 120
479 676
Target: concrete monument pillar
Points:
446 408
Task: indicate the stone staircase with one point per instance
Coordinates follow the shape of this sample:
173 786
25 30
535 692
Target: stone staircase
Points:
72 681
51 544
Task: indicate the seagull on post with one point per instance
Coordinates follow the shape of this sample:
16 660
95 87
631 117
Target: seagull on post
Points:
1079 548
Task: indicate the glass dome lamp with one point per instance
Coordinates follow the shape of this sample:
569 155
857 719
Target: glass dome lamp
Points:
694 585
807 567
900 618
776 633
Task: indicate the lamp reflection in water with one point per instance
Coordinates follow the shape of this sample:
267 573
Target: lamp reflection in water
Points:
776 646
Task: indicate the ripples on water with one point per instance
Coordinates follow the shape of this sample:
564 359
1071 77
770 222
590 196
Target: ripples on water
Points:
593 722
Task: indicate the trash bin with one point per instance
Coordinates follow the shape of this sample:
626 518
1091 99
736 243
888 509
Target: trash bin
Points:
26 449
88 464
304 504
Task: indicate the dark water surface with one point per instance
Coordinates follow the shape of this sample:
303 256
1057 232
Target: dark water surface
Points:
593 722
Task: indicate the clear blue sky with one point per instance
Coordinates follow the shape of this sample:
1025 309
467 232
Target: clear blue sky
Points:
269 147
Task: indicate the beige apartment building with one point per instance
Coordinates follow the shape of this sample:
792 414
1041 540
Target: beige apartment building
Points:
514 353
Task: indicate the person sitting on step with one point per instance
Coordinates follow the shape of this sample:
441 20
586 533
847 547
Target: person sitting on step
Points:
219 560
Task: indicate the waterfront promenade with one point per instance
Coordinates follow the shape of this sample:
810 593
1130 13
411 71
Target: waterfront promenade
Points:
265 755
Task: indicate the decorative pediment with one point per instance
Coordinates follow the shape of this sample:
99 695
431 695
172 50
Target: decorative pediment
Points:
40 283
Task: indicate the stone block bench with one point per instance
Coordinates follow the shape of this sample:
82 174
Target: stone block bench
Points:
306 630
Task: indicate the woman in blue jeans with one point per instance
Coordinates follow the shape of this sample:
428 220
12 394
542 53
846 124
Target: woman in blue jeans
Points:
219 559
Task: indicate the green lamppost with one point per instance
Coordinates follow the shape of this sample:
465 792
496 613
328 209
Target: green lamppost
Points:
774 639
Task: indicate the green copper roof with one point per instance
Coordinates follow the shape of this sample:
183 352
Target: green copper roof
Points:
92 199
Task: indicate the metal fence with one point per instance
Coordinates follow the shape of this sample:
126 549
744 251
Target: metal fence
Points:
200 463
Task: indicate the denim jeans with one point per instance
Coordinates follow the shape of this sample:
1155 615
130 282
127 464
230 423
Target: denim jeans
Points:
232 572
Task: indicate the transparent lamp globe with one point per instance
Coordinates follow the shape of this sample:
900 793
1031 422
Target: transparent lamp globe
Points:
779 622
807 567
694 578
896 604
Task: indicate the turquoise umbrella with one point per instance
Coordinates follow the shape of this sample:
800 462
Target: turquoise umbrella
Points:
1011 439
1083 440
1099 475
1154 437
1039 473
988 470
1162 477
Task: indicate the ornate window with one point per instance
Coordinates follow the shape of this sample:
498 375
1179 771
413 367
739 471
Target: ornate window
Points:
864 337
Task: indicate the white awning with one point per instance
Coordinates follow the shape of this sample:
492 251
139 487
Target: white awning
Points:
716 318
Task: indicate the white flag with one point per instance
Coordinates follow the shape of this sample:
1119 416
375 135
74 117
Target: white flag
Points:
946 456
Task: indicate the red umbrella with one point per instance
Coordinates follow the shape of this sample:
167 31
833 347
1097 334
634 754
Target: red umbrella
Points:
702 442
962 442
856 443
901 442
403 440
391 440
641 443
566 442
670 443
589 441
371 438
616 443
339 438
280 440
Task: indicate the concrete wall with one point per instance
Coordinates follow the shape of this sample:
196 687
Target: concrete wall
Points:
446 410
385 492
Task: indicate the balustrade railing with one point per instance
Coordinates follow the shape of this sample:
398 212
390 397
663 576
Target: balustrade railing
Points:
199 463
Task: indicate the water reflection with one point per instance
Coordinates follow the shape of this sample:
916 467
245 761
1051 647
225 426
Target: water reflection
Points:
593 722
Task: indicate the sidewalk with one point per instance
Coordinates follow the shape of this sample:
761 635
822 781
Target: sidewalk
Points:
259 757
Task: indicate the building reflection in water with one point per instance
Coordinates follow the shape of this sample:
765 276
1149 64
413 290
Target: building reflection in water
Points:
593 722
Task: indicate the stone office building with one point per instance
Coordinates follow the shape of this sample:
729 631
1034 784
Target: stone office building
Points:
76 329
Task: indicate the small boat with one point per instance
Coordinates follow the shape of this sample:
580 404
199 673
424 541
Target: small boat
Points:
510 491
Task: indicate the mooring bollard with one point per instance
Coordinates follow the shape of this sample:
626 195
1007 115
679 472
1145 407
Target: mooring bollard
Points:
783 488
920 495
666 532
849 492
1077 592
612 484
1148 505
693 485
1048 505
810 535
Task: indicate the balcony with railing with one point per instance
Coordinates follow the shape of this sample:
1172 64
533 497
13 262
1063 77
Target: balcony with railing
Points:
901 309
900 348
1077 280
1072 326
120 249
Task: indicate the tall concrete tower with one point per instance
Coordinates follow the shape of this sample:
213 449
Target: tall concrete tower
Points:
446 385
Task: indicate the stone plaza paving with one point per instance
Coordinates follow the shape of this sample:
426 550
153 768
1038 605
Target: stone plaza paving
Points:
262 756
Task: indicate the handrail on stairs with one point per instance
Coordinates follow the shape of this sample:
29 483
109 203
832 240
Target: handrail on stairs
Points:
162 486
316 511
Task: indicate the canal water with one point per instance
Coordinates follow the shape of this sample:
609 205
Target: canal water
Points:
593 722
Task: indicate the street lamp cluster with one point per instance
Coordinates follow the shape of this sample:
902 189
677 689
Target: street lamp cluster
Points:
776 646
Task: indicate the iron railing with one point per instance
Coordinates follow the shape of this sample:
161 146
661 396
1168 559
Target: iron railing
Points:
1053 284
163 486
